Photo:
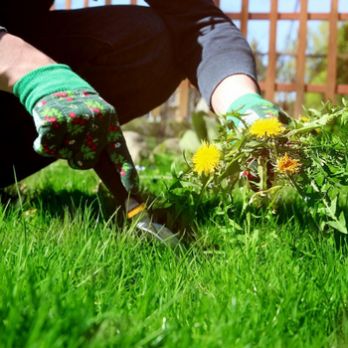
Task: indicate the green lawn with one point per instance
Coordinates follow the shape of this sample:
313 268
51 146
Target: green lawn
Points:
70 278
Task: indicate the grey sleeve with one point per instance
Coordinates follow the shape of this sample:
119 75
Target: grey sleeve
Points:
2 29
208 46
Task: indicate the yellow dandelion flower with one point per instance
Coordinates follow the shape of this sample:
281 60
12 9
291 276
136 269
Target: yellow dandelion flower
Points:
206 159
266 127
304 119
288 165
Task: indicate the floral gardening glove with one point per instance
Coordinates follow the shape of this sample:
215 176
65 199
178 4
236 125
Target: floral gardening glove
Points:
119 155
73 125
252 107
73 122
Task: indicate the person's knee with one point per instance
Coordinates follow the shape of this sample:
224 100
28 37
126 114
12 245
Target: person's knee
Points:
153 23
155 36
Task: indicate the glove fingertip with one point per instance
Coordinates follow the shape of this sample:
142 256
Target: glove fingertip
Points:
79 163
40 149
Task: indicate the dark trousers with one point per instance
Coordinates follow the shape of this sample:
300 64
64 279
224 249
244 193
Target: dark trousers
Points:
125 52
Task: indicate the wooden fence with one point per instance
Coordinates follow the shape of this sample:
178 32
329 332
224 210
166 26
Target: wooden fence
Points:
270 86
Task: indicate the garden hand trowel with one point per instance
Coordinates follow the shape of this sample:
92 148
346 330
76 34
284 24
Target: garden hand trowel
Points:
107 173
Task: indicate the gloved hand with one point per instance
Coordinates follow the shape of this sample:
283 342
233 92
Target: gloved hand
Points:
73 122
73 125
252 107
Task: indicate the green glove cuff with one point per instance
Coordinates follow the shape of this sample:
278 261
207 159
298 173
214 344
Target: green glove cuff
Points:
46 80
244 103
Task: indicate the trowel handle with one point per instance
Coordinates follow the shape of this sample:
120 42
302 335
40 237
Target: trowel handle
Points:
108 174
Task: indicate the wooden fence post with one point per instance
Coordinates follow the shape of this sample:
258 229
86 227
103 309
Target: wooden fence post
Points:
301 58
332 52
184 101
272 53
244 18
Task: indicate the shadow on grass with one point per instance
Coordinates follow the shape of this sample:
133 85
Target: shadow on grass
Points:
182 215
57 203
51 202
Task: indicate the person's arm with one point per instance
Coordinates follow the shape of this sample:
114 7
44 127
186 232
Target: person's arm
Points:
210 49
17 58
216 58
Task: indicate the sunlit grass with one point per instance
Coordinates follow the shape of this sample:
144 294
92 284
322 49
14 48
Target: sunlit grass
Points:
70 278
